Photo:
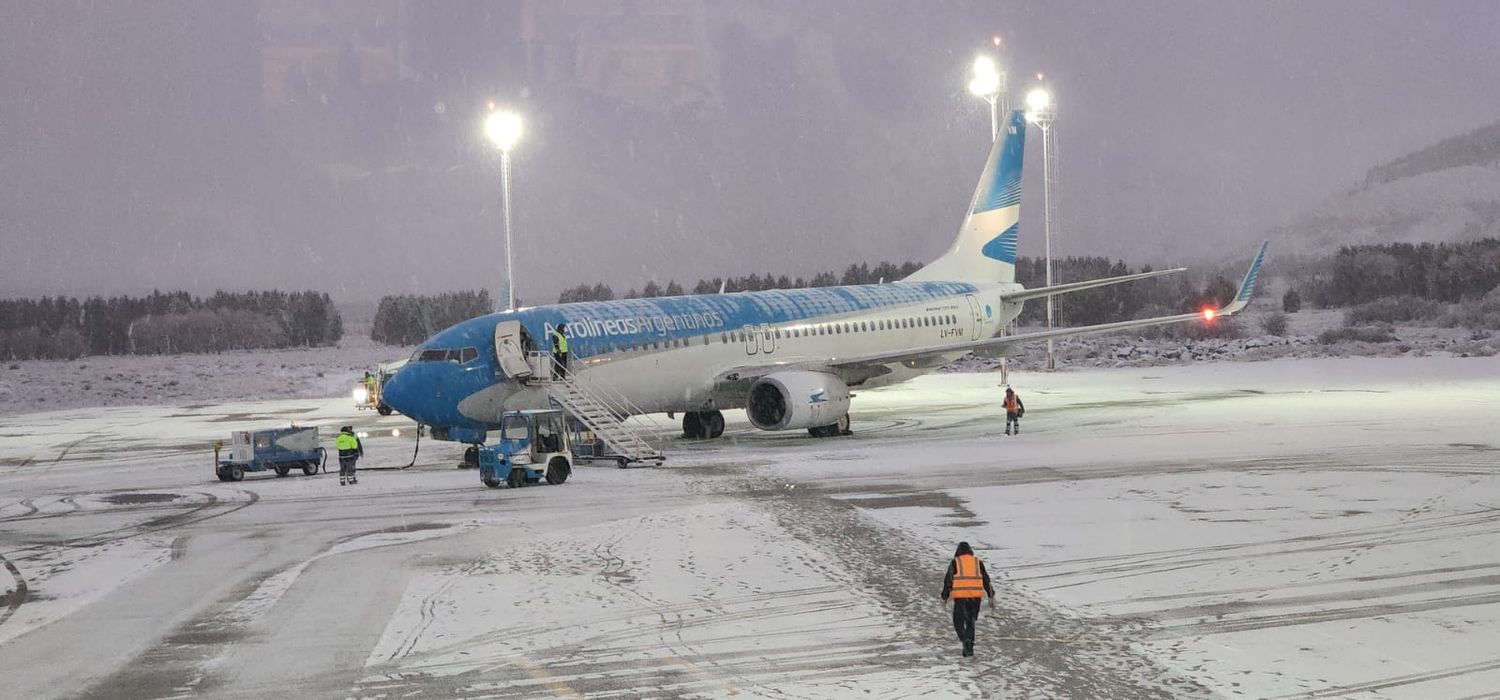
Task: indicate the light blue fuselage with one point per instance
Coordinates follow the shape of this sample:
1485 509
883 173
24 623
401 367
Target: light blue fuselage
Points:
664 353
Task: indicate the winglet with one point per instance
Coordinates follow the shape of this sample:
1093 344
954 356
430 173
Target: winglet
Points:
1247 288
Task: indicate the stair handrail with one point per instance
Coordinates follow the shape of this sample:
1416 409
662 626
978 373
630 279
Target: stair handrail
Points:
610 400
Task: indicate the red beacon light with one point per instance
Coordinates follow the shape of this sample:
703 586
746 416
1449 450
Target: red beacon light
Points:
1209 314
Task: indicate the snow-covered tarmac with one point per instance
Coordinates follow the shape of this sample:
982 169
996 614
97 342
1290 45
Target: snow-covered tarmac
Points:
1287 529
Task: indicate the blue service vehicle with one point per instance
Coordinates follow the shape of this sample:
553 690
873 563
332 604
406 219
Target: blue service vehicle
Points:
533 446
279 449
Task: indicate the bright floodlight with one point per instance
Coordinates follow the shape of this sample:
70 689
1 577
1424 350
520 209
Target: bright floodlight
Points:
1038 100
503 129
986 80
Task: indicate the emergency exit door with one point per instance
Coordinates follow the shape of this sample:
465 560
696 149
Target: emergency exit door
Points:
510 350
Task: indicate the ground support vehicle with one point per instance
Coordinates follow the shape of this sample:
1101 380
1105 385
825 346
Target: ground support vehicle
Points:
279 449
367 393
533 446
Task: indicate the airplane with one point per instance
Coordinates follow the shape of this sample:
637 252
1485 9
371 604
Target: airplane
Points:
788 357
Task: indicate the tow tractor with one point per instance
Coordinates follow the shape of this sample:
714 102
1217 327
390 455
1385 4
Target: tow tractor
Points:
278 449
368 391
533 446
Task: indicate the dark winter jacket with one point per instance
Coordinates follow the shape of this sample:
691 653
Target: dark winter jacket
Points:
964 548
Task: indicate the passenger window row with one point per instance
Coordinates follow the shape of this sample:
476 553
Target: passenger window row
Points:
740 336
841 328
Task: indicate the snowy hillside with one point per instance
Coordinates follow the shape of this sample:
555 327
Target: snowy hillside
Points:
1448 192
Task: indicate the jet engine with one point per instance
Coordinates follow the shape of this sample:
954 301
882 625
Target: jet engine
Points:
797 399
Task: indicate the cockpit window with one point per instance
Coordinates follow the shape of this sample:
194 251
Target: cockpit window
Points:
458 355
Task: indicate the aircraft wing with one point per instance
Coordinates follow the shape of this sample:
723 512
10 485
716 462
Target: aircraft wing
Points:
855 369
1087 284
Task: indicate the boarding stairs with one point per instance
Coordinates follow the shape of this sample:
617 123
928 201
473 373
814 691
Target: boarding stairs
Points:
602 410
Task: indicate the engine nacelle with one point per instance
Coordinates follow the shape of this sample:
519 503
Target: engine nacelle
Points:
797 399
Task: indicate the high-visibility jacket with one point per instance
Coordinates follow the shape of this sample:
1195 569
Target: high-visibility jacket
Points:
348 445
1012 403
559 342
967 581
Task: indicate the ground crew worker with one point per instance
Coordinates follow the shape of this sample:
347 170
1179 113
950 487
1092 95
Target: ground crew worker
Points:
370 388
1014 409
966 582
560 351
350 450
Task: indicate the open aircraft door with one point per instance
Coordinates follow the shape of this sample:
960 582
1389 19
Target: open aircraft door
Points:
510 348
978 315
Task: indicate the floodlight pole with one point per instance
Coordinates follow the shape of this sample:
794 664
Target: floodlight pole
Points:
510 276
1047 232
989 82
503 128
1042 111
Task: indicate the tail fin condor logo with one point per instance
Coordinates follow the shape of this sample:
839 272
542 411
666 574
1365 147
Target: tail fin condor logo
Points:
1004 246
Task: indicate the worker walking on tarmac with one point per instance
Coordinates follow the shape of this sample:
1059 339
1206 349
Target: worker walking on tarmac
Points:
966 583
1014 409
560 351
350 450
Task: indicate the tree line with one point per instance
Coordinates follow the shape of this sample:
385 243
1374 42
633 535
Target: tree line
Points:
1441 272
165 323
1174 293
861 273
408 319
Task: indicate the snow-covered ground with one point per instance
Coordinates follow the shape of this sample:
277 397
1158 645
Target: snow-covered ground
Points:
154 380
1291 528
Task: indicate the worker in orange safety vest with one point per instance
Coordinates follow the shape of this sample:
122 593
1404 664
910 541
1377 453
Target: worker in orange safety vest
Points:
966 583
1014 409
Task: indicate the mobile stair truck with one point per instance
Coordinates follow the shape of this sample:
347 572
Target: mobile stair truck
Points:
278 449
533 446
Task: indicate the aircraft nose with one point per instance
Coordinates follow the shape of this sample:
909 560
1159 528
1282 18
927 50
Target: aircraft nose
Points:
399 393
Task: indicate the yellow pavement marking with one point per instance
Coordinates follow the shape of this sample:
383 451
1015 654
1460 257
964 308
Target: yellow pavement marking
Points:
558 688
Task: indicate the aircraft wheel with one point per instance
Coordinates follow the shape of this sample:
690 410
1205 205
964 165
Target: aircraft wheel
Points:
558 470
516 479
713 423
842 427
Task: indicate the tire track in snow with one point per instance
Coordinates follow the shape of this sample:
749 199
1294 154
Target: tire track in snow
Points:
1375 686
17 595
901 572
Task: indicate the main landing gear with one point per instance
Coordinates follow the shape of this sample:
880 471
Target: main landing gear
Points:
698 425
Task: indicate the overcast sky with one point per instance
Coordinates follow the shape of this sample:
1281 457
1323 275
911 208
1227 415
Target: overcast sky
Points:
136 150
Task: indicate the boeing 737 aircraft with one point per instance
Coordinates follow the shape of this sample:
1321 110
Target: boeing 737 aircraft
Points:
788 357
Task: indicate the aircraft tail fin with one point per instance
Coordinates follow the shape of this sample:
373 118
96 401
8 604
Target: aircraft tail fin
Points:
985 250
